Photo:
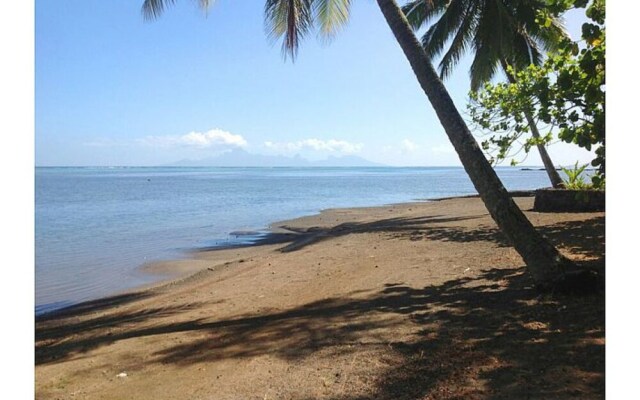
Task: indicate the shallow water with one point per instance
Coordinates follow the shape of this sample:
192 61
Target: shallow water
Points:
96 226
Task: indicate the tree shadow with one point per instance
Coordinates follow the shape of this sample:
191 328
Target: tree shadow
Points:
491 335
493 329
502 339
92 306
586 238
579 237
456 234
109 320
66 334
400 226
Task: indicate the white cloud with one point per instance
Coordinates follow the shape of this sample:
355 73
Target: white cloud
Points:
407 146
332 146
213 138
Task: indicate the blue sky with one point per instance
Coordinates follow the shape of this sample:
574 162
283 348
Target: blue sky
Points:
112 89
58 139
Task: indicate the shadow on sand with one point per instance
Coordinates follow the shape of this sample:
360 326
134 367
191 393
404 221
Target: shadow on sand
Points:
492 328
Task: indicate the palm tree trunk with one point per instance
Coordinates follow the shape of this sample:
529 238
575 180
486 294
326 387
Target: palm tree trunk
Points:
554 177
545 264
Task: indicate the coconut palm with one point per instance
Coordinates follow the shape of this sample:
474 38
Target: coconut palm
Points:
503 34
293 19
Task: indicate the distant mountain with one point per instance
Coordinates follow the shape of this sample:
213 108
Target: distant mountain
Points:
242 158
345 161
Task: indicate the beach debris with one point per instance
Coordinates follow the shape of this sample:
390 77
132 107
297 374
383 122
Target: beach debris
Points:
122 375
467 270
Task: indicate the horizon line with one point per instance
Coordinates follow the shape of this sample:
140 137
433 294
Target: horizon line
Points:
277 166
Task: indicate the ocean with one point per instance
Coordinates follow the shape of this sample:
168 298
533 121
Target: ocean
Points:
96 226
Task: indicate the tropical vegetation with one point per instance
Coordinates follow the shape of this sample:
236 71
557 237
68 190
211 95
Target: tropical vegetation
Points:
566 92
503 35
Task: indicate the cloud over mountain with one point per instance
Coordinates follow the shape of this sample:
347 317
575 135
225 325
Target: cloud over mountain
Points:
213 138
331 146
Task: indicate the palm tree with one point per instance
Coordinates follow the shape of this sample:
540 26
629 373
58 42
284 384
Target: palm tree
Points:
293 19
502 33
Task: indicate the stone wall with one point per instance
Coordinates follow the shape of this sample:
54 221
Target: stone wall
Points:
565 200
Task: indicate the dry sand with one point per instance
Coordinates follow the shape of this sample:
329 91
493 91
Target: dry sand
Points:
411 301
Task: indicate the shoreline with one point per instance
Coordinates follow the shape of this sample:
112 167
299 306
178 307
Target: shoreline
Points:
68 270
178 269
413 300
274 234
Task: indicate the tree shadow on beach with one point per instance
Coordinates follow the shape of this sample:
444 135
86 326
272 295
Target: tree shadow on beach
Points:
491 335
93 306
64 334
108 320
578 237
400 226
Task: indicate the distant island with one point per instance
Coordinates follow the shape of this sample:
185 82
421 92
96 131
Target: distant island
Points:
557 169
242 158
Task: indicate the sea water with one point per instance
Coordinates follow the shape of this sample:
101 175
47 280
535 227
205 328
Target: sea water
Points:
96 226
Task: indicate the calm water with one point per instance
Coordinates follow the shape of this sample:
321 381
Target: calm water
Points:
96 226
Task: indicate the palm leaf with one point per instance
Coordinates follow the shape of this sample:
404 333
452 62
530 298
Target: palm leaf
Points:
291 19
525 51
484 66
332 15
498 29
152 9
489 43
420 12
549 38
460 42
441 31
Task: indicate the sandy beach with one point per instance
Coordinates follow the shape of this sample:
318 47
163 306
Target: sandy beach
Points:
410 301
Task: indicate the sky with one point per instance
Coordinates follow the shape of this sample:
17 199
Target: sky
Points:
79 46
114 89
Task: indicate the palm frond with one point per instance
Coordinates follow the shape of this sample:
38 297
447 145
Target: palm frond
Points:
420 12
152 9
489 43
550 37
290 19
483 67
441 31
499 29
332 15
459 44
525 51
546 38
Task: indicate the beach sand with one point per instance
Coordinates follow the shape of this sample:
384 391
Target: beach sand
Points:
411 301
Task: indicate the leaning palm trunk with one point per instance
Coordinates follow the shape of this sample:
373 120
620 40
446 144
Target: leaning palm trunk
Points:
545 264
554 177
